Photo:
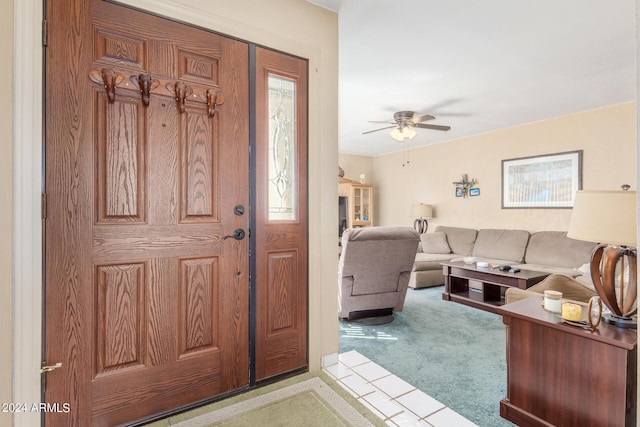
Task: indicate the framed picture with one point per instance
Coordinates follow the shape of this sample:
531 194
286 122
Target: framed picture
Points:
474 191
459 192
548 181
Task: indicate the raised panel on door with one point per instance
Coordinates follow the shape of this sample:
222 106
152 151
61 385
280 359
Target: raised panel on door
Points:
146 156
280 213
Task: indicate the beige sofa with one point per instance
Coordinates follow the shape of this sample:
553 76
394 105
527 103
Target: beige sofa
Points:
570 288
374 269
549 251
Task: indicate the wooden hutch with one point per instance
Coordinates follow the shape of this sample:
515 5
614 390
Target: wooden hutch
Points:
356 204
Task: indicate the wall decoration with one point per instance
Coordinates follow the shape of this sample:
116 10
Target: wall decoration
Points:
462 186
474 191
547 181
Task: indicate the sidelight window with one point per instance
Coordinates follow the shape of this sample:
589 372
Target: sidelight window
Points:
282 149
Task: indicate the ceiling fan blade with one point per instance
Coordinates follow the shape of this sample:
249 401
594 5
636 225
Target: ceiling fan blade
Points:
422 118
381 121
434 127
376 130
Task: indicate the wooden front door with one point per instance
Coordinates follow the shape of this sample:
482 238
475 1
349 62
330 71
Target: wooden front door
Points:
147 166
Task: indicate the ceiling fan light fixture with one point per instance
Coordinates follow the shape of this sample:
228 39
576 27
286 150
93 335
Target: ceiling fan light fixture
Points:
408 132
402 134
397 135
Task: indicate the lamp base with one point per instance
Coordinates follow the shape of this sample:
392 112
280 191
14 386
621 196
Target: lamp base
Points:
620 321
421 225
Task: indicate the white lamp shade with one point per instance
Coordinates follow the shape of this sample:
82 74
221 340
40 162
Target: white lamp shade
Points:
397 135
401 135
604 217
408 133
421 211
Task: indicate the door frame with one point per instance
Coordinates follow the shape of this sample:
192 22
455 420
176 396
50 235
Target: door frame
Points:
27 206
27 177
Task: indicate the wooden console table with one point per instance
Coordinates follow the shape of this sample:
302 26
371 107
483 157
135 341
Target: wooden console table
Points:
456 284
561 375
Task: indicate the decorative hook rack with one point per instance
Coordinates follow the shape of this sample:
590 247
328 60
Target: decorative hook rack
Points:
464 185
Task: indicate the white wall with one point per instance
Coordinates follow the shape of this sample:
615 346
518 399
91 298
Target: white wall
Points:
607 137
354 166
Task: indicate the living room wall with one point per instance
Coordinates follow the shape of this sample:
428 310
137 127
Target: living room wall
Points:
354 166
607 137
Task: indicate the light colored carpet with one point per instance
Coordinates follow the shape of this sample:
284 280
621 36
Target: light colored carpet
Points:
312 399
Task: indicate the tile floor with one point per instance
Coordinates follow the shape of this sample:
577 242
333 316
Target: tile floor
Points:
394 400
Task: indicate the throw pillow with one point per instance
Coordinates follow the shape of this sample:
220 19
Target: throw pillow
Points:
435 243
585 269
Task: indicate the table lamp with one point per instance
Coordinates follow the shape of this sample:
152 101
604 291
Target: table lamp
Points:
421 212
609 218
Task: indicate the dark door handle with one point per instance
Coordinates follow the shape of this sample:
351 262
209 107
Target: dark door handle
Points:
238 234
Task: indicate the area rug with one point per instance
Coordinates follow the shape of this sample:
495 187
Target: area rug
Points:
313 400
452 352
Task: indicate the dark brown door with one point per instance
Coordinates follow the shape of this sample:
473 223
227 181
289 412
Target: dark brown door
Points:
281 213
146 158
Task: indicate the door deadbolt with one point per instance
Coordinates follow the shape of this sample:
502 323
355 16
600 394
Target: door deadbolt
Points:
238 234
238 210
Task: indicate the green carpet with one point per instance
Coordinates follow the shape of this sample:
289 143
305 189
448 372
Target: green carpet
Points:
312 399
454 353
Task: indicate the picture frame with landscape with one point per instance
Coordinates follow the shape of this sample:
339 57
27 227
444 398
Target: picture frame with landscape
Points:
545 181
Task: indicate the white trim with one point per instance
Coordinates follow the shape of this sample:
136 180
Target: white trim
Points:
27 226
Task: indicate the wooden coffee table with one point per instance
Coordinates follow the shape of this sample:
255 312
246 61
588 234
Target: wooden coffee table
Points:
456 284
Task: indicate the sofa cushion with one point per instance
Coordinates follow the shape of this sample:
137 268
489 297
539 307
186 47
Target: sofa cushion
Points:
425 261
435 243
460 239
555 249
508 245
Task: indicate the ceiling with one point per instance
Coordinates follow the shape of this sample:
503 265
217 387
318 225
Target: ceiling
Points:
478 66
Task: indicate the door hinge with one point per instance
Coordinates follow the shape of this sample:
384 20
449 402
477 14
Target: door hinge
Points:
44 205
44 368
45 32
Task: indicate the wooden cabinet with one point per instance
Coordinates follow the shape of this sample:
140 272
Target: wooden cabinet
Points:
560 375
358 199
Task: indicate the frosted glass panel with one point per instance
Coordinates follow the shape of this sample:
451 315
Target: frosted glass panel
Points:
282 149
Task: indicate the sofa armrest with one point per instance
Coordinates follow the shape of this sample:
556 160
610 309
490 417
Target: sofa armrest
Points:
571 289
517 294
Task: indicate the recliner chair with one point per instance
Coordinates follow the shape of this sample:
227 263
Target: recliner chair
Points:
374 270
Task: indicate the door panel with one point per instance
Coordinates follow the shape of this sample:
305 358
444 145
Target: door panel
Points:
146 301
281 213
